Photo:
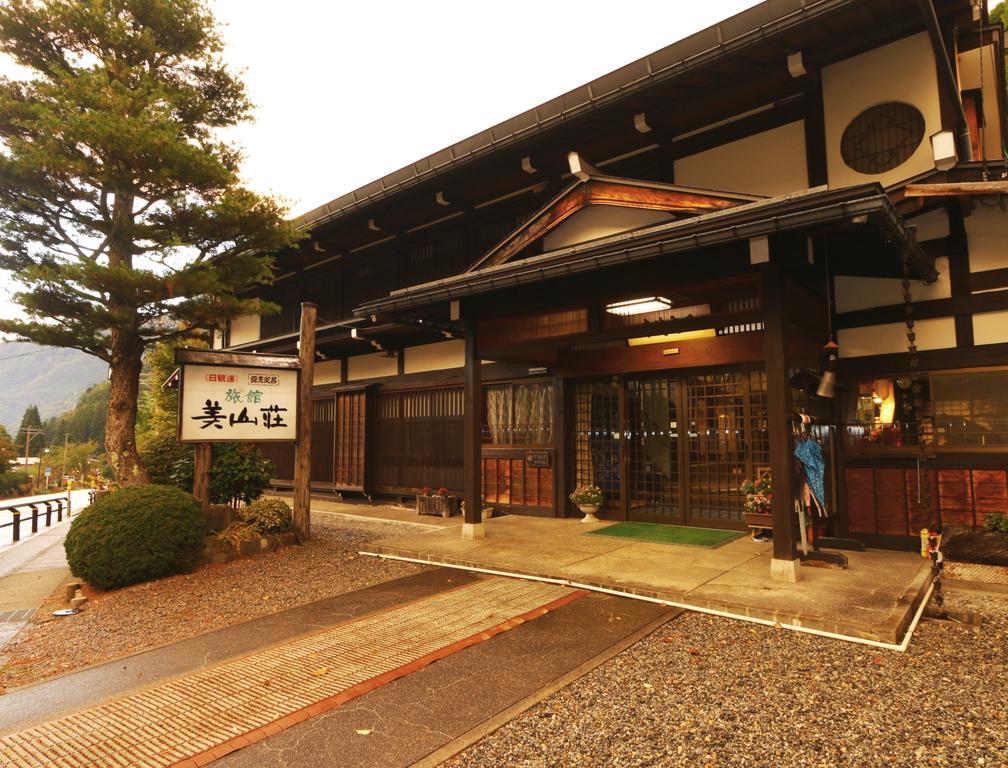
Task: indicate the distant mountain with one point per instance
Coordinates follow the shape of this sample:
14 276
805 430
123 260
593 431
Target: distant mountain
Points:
50 377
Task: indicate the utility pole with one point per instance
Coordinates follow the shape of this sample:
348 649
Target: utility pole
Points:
66 440
30 433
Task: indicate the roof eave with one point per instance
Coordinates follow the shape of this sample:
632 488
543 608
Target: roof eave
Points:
869 200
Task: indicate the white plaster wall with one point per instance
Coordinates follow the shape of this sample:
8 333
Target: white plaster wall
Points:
931 225
987 237
218 339
434 357
902 71
371 366
600 221
853 293
769 163
890 338
990 327
245 329
969 79
327 372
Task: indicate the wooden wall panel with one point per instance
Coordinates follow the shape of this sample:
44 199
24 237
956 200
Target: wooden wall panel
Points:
722 350
518 329
860 500
281 456
417 440
955 495
508 481
921 516
323 445
990 493
350 440
884 500
891 502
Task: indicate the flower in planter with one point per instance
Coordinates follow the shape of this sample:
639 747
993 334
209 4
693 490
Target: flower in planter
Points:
425 491
441 492
758 495
587 496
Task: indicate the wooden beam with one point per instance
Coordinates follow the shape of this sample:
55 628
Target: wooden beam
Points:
957 188
815 132
472 438
562 444
722 350
778 425
302 448
244 359
202 464
546 350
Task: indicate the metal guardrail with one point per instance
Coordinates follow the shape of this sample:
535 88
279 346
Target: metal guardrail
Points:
33 512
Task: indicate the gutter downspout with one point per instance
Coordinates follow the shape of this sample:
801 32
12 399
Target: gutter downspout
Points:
964 146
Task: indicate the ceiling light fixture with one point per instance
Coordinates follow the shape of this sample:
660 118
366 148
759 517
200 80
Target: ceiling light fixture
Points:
639 306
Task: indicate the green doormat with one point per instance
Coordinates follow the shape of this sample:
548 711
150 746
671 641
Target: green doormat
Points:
659 533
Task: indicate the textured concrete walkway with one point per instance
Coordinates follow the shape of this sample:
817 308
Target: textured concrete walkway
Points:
873 600
199 717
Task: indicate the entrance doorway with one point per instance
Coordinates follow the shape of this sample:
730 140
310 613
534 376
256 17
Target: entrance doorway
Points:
672 449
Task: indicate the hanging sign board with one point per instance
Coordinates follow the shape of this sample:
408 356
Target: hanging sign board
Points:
229 401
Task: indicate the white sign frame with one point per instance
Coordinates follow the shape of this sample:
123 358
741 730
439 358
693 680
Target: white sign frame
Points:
218 403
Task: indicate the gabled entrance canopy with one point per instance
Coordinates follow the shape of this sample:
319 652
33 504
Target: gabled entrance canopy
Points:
592 188
862 221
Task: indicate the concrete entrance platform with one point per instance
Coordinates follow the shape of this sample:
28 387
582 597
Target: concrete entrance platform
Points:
381 513
874 600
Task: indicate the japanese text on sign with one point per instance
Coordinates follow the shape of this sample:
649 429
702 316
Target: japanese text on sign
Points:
222 404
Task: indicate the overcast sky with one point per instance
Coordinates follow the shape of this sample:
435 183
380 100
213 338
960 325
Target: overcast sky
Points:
347 92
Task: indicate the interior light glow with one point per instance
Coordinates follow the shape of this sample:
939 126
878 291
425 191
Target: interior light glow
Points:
639 306
667 338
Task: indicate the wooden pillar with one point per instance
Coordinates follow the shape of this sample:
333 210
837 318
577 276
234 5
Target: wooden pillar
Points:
202 463
560 442
302 448
472 407
784 564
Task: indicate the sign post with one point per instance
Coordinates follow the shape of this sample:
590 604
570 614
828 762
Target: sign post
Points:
229 397
302 450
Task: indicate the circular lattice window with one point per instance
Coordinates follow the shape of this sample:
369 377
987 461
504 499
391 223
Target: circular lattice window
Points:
882 137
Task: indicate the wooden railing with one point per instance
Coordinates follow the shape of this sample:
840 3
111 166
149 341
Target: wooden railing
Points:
34 513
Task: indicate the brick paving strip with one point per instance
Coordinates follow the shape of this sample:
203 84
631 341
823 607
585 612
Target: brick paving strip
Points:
200 717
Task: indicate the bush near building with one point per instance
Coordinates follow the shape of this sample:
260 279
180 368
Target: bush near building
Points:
267 516
136 534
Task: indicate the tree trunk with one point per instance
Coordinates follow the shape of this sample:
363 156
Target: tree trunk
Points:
120 426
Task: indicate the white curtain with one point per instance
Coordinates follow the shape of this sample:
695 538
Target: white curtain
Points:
498 413
520 415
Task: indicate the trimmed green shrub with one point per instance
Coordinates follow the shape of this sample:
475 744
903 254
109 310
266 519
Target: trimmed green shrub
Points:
136 534
240 472
13 483
168 461
267 516
997 522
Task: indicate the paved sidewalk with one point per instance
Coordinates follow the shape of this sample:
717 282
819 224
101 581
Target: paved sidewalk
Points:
198 717
32 568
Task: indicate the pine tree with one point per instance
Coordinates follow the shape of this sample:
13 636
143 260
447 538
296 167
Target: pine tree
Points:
31 421
121 213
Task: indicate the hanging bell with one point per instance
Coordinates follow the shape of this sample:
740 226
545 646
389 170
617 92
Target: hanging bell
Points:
827 384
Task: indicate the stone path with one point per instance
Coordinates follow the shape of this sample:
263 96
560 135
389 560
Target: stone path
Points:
196 718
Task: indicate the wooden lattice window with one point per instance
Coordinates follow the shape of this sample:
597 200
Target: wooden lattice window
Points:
882 137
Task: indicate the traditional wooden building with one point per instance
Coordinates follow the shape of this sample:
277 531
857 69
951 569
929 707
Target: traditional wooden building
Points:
637 285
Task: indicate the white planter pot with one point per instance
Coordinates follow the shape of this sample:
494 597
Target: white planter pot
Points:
589 513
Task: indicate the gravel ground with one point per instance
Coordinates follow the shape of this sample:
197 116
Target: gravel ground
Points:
705 692
149 615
